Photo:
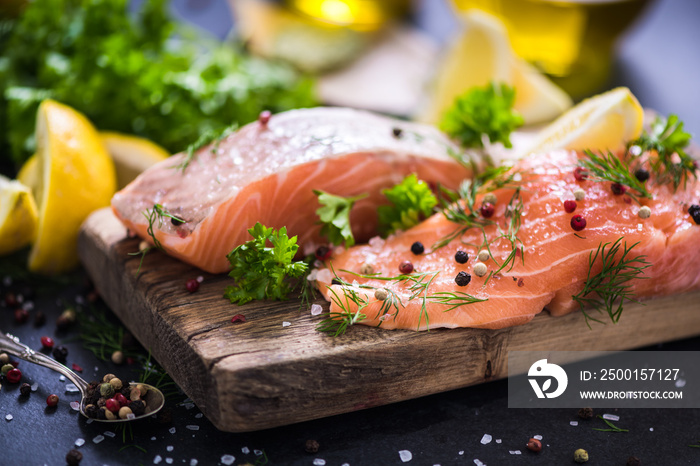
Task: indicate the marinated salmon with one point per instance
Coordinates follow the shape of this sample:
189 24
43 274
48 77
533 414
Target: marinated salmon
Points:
267 171
535 254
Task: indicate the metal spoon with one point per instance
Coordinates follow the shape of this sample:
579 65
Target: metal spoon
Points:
154 398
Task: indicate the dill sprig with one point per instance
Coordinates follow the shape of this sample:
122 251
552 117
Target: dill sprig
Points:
337 323
613 427
158 212
513 215
608 290
454 299
204 139
668 138
608 167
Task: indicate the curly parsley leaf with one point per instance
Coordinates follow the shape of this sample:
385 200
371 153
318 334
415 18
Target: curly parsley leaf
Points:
482 111
668 138
411 202
334 214
261 271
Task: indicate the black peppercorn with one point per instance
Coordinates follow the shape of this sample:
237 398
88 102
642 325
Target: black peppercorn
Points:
74 457
39 319
311 446
585 413
62 322
176 221
461 257
617 189
101 413
335 281
463 279
694 212
641 174
417 248
92 411
138 407
60 353
25 389
397 132
323 252
634 461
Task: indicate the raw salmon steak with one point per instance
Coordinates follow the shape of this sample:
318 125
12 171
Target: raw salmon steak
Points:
544 261
266 172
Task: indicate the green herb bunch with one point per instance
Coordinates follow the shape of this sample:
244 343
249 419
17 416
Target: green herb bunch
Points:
137 74
334 215
261 271
412 201
482 111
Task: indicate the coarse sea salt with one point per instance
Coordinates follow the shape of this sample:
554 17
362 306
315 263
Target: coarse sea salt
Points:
98 438
157 459
170 448
319 462
75 406
153 438
62 378
324 276
110 434
316 309
405 456
198 416
228 460
498 440
538 437
680 383
651 429
257 452
574 423
192 427
169 460
172 430
35 387
376 244
478 462
286 324
515 452
71 388
193 462
245 450
611 417
461 452
9 417
486 439
79 442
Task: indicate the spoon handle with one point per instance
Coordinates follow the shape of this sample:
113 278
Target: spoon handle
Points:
11 345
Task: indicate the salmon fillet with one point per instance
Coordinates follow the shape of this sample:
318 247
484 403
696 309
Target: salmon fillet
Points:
266 172
556 258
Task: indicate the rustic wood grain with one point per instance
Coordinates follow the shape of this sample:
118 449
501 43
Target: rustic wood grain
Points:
259 374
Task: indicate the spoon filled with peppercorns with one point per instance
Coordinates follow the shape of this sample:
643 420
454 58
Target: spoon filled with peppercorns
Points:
109 400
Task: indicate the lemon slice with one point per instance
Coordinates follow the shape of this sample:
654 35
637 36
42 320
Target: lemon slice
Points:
482 54
18 216
131 155
603 122
75 176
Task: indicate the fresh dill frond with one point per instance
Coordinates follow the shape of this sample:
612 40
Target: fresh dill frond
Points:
613 427
337 323
141 253
157 213
608 290
454 299
609 167
208 137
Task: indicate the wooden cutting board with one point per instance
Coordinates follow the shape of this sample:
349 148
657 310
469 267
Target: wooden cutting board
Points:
261 373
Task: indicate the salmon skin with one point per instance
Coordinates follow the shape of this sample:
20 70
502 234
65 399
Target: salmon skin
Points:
266 172
549 261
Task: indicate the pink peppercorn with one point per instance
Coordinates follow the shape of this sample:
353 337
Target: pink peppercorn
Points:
406 267
113 405
578 223
52 400
47 342
264 117
238 318
487 209
569 206
581 174
192 285
14 375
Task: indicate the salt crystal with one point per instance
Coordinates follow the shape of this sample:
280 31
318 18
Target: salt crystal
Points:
312 275
348 464
28 306
228 459
651 429
79 442
611 417
574 423
324 276
188 405
548 208
639 227
8 417
192 427
79 299
75 405
538 437
170 448
376 244
62 378
517 176
200 279
680 383
635 150
461 452
98 438
193 462
71 388
339 250
319 462
498 440
486 439
286 324
157 459
110 434
169 460
479 462
131 416
514 452
172 430
316 309
35 386
153 438
245 450
89 421
198 416
257 452
405 456
97 369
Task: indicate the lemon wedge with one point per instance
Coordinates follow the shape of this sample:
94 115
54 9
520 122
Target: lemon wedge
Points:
482 54
18 216
74 176
602 122
131 155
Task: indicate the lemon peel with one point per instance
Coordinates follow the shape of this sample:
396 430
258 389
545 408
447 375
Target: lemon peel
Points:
18 216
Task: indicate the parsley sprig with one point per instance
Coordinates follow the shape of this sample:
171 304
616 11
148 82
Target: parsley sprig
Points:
482 111
668 138
261 271
334 215
412 201
608 290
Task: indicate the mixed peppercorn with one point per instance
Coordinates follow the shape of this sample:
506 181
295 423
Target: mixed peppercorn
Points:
110 399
